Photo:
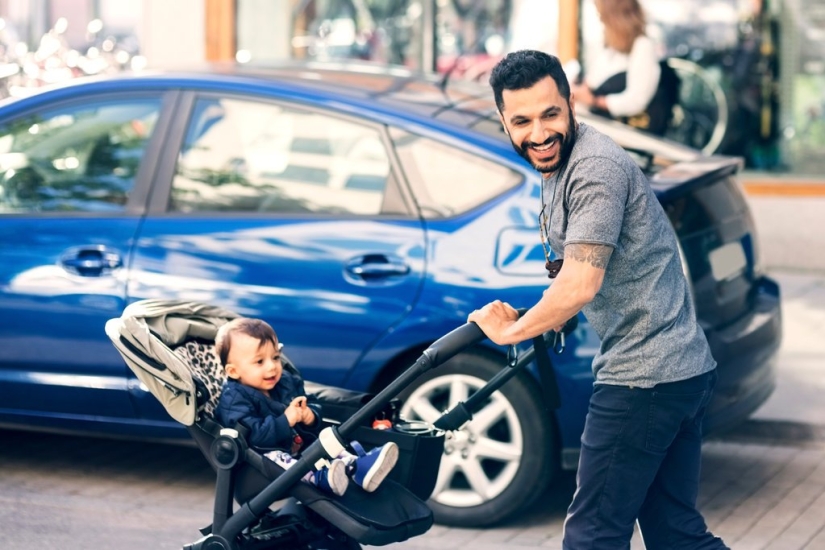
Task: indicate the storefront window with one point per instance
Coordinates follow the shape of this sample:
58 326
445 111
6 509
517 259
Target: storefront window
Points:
803 85
419 34
383 31
726 55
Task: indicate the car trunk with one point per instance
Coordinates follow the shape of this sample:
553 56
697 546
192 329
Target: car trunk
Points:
737 306
711 217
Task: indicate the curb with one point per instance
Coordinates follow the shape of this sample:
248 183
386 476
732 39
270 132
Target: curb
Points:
782 186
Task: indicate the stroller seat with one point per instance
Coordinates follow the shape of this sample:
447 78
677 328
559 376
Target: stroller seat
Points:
169 346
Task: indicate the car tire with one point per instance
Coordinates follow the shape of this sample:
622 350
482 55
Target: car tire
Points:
506 452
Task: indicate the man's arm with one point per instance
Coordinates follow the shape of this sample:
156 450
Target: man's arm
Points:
578 282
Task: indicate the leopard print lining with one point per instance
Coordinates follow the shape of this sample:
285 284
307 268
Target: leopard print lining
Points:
207 371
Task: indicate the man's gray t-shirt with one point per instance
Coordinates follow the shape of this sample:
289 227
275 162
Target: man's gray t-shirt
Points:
643 313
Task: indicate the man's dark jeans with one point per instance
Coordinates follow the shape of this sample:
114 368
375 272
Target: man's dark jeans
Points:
640 459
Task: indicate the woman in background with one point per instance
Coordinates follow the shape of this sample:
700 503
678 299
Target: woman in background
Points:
625 75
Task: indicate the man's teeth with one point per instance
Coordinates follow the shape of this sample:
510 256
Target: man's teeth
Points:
544 147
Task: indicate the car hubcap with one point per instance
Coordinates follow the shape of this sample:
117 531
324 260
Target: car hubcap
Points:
481 458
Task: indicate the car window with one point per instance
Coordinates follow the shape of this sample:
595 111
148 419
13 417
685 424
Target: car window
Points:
446 180
251 156
80 158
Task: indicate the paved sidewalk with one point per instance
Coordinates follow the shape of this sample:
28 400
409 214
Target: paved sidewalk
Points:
791 231
754 496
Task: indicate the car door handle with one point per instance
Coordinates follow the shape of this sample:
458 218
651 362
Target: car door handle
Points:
374 266
90 261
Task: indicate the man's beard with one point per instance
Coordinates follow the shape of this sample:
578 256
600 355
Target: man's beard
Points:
567 142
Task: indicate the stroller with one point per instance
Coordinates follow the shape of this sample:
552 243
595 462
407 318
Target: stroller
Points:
168 344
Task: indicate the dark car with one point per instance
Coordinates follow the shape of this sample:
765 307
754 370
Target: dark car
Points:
364 213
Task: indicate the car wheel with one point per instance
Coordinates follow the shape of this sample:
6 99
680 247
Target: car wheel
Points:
498 462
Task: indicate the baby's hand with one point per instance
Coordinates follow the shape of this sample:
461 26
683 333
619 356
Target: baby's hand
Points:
309 416
294 414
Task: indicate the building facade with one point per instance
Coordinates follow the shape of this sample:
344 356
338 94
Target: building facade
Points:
756 67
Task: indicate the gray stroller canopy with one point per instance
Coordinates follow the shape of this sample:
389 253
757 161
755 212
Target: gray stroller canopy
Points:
147 333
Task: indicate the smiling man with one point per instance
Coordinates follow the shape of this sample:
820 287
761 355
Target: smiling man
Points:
654 374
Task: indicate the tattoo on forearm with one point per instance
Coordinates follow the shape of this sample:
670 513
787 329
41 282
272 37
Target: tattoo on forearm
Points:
596 255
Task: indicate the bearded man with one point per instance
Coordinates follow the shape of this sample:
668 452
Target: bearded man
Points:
619 264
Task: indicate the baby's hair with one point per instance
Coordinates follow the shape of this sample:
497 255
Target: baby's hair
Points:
256 328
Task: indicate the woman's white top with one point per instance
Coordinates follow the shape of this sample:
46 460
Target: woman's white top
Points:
643 72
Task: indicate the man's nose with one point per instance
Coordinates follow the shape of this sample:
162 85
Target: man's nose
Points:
538 133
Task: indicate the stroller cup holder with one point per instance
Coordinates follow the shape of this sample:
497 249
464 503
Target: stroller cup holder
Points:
416 427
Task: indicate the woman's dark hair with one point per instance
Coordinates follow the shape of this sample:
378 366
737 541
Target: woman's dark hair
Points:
256 328
522 69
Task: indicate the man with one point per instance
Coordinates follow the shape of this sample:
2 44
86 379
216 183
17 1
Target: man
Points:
654 374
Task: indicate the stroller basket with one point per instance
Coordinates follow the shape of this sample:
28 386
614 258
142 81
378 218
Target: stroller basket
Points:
419 455
167 344
420 446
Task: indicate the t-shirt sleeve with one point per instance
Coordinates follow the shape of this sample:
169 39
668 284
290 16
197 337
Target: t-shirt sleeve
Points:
596 196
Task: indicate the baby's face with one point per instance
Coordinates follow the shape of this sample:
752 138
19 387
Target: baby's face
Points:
254 364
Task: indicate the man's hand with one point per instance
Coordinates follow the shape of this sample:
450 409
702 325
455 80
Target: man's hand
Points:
495 319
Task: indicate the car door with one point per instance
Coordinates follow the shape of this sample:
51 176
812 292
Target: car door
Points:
70 204
287 213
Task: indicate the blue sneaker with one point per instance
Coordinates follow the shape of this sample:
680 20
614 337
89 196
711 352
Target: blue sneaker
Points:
372 467
333 479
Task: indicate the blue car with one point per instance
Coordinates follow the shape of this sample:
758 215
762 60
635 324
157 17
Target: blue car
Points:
364 213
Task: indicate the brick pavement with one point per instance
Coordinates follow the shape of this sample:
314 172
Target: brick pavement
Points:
64 492
756 496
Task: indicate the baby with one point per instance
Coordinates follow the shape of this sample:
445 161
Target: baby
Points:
271 403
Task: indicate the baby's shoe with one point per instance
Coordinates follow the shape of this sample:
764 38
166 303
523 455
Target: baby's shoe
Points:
370 468
333 479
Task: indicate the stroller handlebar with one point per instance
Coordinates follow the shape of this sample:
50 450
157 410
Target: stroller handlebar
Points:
455 341
443 349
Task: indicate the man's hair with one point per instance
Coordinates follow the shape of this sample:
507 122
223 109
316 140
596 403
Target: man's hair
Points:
523 69
256 328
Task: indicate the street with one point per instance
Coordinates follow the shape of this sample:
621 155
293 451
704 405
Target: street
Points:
763 485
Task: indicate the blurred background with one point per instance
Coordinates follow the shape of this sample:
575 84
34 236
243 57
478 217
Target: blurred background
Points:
754 68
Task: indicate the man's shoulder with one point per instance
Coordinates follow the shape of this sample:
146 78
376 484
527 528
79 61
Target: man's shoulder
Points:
590 140
592 144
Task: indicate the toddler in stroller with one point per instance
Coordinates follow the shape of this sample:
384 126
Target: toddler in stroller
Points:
270 403
169 345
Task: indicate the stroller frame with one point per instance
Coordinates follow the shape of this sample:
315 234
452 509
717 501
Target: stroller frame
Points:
253 526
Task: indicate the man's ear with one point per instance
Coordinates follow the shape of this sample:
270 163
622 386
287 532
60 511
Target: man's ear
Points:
231 371
503 125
